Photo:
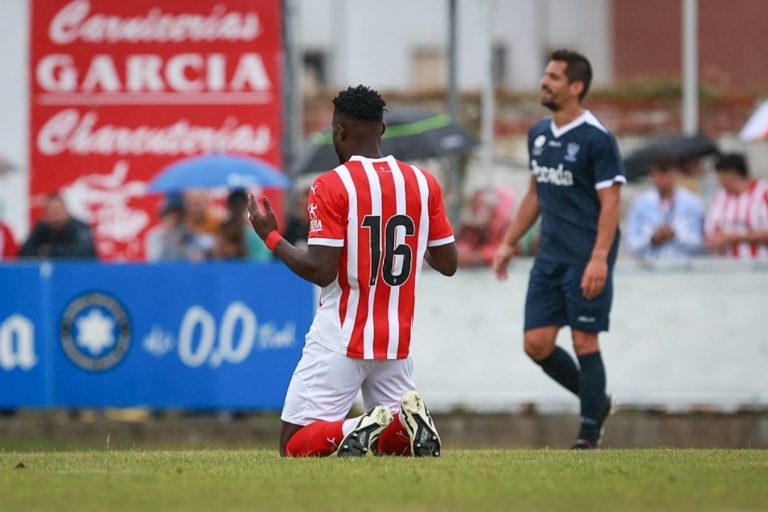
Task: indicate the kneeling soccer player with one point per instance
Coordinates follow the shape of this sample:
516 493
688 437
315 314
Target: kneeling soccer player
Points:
373 222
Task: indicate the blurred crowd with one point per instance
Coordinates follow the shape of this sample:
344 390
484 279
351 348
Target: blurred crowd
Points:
672 219
190 228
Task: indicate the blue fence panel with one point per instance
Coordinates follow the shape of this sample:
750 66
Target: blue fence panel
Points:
24 358
204 336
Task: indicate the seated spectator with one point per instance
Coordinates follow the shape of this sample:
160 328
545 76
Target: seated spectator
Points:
297 225
666 221
482 226
737 220
8 247
199 216
59 235
172 240
236 238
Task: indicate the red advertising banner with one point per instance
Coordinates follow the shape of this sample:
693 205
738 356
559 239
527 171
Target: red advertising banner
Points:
120 89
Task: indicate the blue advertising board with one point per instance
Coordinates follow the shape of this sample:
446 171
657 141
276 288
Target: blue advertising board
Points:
196 336
24 323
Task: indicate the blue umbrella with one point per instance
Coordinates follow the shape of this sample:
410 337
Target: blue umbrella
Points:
211 171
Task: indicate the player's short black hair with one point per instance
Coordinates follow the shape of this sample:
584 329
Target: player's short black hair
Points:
361 103
577 68
732 162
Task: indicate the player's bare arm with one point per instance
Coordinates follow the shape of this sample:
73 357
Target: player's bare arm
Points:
525 218
596 271
318 264
443 258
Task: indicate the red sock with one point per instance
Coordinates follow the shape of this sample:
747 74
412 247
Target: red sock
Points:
394 440
318 439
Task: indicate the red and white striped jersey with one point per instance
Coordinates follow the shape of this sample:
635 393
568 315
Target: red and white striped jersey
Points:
384 213
741 213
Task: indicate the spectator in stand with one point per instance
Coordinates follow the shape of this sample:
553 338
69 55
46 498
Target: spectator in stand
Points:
172 240
666 221
59 235
737 220
199 216
482 226
8 247
297 225
236 238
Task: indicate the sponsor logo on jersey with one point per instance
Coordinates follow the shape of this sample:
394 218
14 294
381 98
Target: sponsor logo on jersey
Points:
315 224
554 175
571 151
95 332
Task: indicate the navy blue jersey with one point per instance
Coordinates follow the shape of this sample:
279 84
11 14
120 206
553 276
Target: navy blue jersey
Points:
570 165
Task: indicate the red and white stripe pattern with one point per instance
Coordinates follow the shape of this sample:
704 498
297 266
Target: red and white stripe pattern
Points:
741 213
365 314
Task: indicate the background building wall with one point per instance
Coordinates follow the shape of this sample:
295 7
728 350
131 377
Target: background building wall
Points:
14 105
374 42
647 41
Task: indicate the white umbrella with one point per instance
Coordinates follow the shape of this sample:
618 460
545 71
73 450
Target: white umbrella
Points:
756 127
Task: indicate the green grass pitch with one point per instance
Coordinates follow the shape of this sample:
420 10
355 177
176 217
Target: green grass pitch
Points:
482 480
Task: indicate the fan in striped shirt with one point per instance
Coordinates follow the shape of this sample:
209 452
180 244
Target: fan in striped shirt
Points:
737 220
374 220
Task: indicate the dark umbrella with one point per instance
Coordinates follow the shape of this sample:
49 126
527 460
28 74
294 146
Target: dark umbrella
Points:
410 135
638 163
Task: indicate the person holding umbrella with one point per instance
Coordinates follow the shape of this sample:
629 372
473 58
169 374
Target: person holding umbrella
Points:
172 240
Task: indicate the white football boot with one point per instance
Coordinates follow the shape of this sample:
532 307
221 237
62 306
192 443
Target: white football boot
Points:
366 432
425 442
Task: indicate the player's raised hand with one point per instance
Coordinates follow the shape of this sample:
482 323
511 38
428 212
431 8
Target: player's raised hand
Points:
263 223
501 261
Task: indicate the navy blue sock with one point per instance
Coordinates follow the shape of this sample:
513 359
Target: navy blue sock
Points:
562 368
592 395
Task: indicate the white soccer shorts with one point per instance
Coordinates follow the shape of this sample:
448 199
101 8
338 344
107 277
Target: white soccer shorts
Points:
325 384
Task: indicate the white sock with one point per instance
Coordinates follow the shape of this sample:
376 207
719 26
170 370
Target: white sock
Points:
349 425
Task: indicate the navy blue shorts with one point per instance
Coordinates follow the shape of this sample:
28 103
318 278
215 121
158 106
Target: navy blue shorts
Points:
555 298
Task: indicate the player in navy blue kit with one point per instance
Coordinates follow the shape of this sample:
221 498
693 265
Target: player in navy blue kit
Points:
576 177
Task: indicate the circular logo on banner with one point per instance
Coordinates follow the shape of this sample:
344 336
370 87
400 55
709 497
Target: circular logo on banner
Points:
95 332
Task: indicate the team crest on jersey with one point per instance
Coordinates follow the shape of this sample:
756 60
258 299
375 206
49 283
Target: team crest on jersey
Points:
571 151
538 144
